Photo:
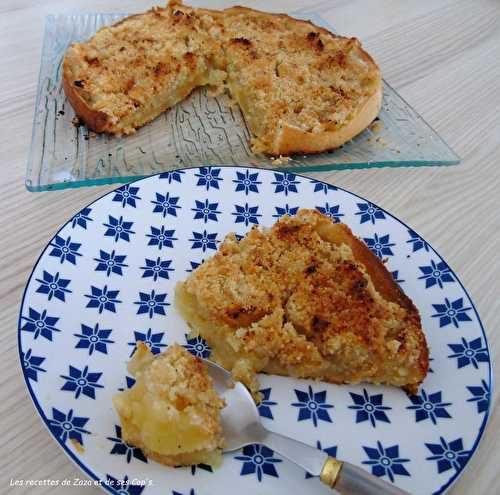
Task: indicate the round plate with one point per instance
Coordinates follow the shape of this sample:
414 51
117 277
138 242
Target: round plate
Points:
106 280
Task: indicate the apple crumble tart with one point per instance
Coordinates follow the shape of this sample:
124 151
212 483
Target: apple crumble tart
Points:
305 298
300 87
172 412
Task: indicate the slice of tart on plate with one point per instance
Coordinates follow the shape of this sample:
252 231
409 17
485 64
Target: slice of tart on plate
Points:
305 298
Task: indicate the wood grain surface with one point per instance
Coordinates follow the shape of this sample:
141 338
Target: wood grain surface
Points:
443 57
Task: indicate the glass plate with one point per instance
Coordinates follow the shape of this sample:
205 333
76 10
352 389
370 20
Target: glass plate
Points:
200 130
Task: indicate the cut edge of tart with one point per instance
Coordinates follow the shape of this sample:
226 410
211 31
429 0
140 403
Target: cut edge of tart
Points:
307 299
172 412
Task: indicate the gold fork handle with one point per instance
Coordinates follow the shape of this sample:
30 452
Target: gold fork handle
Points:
349 479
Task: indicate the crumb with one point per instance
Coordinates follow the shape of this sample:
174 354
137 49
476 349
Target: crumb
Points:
77 445
76 121
281 160
376 126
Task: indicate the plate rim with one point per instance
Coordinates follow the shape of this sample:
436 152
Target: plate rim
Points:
76 460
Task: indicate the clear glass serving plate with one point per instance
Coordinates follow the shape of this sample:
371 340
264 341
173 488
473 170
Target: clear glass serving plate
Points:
200 130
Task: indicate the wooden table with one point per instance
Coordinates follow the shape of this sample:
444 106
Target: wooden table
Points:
443 57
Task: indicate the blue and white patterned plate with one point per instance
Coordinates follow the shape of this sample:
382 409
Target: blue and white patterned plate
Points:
106 281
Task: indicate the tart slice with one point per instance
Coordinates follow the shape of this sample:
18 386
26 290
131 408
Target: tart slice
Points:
172 412
301 88
306 299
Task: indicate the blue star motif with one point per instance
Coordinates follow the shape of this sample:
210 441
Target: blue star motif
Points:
369 407
331 451
151 303
173 175
204 241
386 461
194 265
81 218
416 242
40 324
198 347
451 312
469 352
191 492
247 182
110 262
125 486
205 211
481 396
322 186
64 249
368 212
208 177
435 273
157 268
103 299
380 245
126 195
429 406
448 455
265 404
121 447
53 286
31 364
285 182
246 214
93 339
166 205
152 340
65 426
118 229
81 382
331 211
395 276
258 459
286 210
312 406
161 237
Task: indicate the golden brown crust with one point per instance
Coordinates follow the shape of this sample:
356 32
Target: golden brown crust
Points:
380 276
293 140
307 299
96 121
116 103
387 287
